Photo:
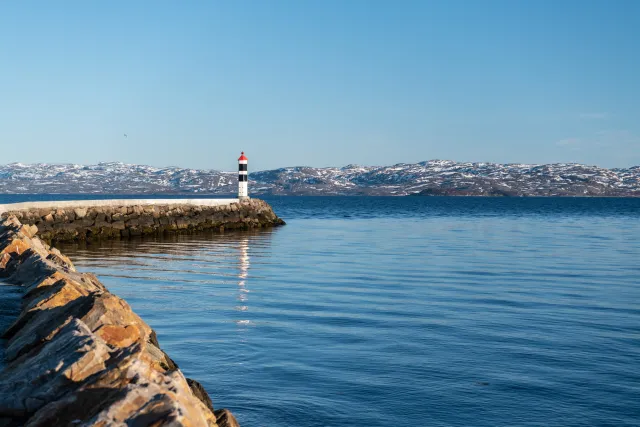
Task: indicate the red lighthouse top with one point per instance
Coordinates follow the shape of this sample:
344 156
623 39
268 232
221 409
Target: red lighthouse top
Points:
242 157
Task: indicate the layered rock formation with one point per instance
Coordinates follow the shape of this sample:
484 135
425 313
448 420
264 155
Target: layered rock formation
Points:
77 355
84 221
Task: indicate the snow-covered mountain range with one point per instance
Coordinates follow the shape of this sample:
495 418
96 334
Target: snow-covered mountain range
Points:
434 177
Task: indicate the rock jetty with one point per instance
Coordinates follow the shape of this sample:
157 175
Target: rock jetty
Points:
77 355
100 219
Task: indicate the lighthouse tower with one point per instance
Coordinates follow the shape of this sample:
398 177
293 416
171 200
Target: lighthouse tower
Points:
243 178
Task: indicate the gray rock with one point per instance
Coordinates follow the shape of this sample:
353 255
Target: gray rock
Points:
45 374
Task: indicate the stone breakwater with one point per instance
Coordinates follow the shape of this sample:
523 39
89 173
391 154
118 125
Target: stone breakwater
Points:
77 355
100 219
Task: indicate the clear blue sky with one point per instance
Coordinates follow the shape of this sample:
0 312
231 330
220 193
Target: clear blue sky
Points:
320 82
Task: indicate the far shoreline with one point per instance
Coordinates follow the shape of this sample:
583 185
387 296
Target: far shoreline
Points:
102 196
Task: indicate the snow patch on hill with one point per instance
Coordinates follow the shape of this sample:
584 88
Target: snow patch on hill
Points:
433 177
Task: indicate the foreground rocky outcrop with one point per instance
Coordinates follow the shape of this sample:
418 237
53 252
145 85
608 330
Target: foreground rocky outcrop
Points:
82 221
77 355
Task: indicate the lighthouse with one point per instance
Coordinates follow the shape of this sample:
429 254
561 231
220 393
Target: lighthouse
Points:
243 178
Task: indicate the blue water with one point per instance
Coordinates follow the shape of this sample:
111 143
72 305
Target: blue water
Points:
401 311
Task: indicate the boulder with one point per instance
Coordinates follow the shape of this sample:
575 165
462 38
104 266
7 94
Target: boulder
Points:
105 314
58 258
52 370
112 398
198 391
225 418
80 212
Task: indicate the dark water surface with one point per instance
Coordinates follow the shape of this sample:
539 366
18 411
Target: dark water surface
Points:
401 311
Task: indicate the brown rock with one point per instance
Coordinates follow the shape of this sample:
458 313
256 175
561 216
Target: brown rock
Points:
58 258
60 216
52 370
158 359
29 230
95 310
87 281
120 336
198 391
108 309
101 219
129 394
4 261
40 285
225 418
16 247
80 212
29 268
43 325
59 294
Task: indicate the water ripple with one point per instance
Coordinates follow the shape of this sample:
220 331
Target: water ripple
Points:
415 312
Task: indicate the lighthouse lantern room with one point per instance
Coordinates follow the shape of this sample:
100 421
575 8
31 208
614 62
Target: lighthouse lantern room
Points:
243 178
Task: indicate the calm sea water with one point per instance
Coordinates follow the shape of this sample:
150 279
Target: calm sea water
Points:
401 311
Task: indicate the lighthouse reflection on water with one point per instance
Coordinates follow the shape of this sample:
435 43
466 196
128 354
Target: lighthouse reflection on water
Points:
243 273
243 243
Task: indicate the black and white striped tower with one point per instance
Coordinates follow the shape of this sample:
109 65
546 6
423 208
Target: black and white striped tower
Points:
243 178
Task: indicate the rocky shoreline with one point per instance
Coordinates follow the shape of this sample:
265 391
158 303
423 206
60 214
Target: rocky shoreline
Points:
85 220
77 355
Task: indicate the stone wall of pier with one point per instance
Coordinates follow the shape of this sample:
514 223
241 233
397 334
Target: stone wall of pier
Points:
76 221
77 354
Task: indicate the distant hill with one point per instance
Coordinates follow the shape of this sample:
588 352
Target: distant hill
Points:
434 177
